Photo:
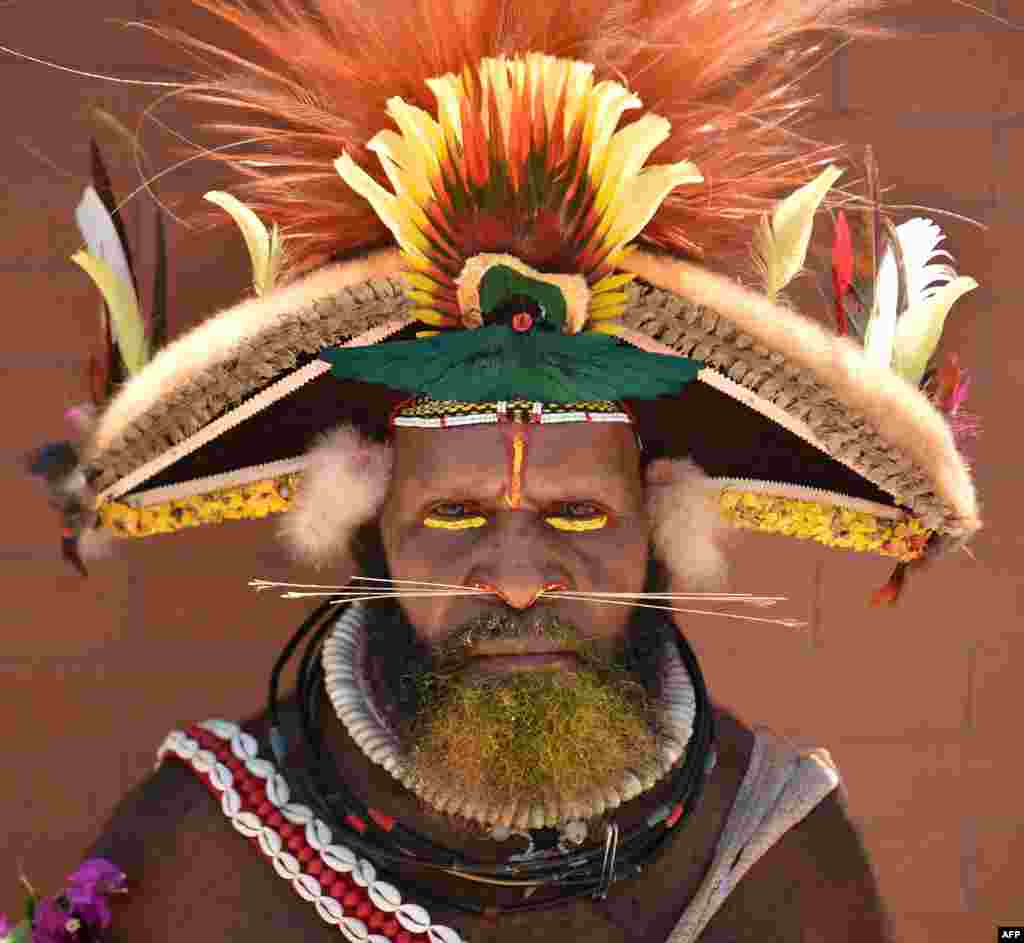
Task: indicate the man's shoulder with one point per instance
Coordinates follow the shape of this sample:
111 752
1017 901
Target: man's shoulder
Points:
188 869
814 884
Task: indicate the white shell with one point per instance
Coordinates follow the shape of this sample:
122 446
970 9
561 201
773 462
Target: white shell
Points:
244 745
364 873
307 887
231 802
631 786
329 909
224 729
277 790
260 768
575 831
439 934
247 823
296 813
385 896
413 918
204 761
287 865
271 842
220 777
338 857
354 929
318 834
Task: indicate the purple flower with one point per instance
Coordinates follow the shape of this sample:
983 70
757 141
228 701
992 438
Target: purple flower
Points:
5 925
98 874
49 924
88 888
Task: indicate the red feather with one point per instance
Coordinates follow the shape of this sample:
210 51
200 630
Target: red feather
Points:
720 72
842 269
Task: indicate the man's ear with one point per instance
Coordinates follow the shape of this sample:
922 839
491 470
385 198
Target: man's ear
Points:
687 531
343 486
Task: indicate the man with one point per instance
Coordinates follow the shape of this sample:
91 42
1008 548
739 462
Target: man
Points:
191 874
503 735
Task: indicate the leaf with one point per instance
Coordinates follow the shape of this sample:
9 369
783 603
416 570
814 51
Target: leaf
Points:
918 331
126 321
780 246
264 247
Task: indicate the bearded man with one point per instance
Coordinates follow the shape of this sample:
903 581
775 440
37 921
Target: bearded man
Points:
506 390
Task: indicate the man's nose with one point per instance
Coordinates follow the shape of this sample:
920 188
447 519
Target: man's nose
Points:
517 564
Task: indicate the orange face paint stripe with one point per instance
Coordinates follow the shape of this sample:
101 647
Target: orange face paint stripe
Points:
515 447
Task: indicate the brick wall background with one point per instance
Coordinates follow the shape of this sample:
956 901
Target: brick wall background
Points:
916 704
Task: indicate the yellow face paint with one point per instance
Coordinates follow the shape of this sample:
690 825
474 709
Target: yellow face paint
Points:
570 523
458 524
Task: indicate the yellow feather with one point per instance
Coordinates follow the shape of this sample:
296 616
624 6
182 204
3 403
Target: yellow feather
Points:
606 327
126 321
781 246
264 247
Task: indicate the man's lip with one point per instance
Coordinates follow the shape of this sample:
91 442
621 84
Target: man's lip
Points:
504 664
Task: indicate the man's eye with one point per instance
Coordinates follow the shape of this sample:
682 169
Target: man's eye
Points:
578 516
579 509
454 515
452 509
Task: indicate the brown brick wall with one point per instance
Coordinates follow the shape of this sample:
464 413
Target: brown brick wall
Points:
919 705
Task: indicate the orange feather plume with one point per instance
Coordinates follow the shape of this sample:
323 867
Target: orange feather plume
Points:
724 73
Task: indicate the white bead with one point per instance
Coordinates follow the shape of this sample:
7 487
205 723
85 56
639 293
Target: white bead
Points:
248 824
413 918
439 934
354 929
631 786
287 865
377 938
329 909
224 729
278 792
307 887
220 777
296 813
271 842
260 768
244 745
338 857
231 802
188 748
318 834
385 896
364 873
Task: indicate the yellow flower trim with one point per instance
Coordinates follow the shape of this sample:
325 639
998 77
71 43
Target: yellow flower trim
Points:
454 525
827 524
254 500
568 523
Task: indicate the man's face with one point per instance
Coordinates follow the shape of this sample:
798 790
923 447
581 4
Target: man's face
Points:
517 698
533 521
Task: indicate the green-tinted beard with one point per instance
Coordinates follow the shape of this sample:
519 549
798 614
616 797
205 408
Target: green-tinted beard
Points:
545 736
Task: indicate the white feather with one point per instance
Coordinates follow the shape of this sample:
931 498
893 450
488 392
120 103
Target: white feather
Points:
97 228
918 239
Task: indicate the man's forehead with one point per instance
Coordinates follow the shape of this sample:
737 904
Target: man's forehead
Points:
468 455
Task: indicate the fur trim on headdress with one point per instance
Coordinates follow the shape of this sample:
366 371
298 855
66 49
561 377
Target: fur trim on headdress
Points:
686 528
343 487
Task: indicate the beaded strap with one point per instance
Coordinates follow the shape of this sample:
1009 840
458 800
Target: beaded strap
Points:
255 797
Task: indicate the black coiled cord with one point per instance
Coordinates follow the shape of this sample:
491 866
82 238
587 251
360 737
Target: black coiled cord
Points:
576 874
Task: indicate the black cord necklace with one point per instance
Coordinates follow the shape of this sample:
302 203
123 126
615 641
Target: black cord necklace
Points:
575 874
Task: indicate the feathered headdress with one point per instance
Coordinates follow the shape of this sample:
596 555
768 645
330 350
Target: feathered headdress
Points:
501 209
